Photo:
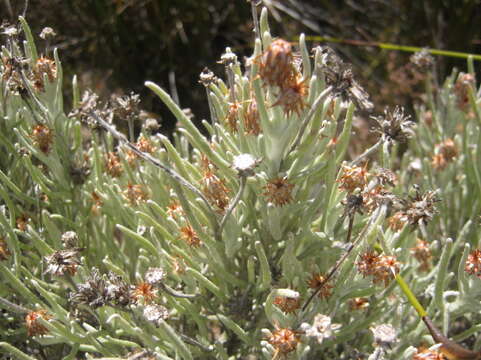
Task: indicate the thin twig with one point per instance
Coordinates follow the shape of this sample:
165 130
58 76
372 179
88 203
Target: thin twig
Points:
174 175
234 203
367 153
177 294
338 264
194 342
14 307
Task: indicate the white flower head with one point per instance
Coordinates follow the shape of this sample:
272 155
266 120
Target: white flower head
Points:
321 328
384 334
244 164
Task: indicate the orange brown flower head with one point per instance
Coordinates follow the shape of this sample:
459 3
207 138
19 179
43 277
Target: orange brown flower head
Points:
33 326
358 303
143 291
284 340
292 96
174 209
42 137
22 222
135 194
251 118
188 234
422 253
43 67
4 252
353 177
461 89
276 63
445 152
112 165
319 280
232 116
428 354
287 304
473 263
278 191
96 203
397 221
382 268
215 190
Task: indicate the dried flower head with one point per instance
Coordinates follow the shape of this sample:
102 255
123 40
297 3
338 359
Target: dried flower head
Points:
228 58
292 96
155 276
89 108
319 280
113 166
422 253
276 63
382 268
321 328
155 314
423 60
385 177
473 263
43 67
150 125
126 107
421 207
178 264
92 293
358 303
377 196
188 234
207 77
215 189
384 335
353 177
287 304
117 290
445 152
42 137
69 239
394 126
99 290
34 327
461 89
145 292
251 118
339 75
278 191
47 33
4 252
284 341
135 194
63 261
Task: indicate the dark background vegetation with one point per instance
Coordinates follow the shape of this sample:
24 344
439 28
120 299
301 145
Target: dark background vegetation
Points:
115 45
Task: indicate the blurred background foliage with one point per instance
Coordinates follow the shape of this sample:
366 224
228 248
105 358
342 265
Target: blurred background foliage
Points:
115 45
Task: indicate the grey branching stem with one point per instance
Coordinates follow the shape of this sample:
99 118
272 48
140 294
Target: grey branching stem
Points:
320 99
177 294
338 264
367 153
194 342
13 307
234 203
120 137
